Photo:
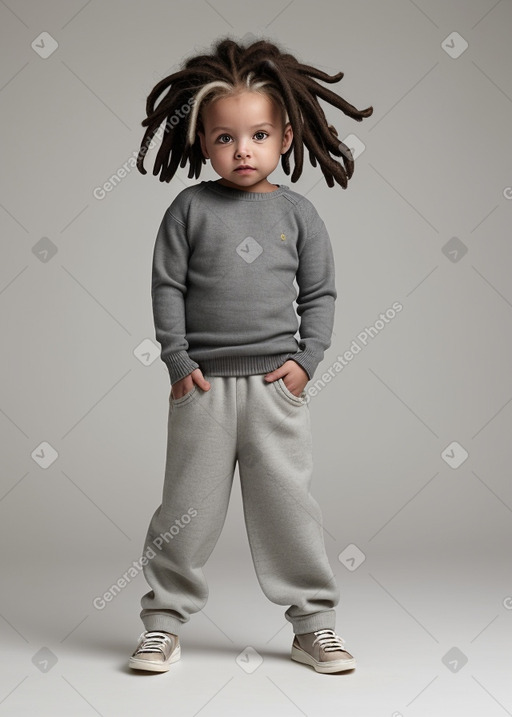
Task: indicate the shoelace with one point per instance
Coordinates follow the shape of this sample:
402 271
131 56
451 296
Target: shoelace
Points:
329 640
154 641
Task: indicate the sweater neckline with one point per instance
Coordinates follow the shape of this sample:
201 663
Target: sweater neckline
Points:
241 194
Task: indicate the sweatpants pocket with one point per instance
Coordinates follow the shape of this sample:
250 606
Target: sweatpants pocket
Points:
183 399
285 393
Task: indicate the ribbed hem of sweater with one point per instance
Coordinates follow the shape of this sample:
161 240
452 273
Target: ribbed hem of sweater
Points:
180 364
242 365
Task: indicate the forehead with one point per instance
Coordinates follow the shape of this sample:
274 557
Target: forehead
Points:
238 108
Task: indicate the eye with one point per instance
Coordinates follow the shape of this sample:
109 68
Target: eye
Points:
259 133
220 138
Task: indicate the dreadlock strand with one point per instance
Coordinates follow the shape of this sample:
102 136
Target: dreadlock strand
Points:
177 79
332 98
330 168
175 154
162 156
316 126
285 162
143 150
319 74
295 121
321 139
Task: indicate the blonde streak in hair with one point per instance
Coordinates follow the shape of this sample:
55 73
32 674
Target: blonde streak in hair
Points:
257 85
191 134
263 83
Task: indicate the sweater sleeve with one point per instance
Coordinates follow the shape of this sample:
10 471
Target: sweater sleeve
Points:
315 301
168 289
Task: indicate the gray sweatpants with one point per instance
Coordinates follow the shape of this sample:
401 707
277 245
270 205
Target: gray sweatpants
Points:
267 429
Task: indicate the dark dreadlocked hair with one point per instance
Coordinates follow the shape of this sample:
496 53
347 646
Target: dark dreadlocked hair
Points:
229 70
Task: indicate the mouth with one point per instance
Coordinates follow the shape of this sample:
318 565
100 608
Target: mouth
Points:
244 168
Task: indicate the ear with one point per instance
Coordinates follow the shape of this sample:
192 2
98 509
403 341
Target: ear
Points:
287 138
203 144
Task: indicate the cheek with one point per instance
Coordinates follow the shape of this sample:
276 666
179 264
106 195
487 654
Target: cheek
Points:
216 152
275 146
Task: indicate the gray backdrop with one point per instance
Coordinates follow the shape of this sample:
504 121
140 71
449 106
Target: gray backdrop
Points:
411 437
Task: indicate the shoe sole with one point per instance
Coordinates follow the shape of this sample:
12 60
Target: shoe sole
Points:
340 666
138 664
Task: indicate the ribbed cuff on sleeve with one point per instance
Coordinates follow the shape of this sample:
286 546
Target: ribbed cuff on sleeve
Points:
307 360
179 365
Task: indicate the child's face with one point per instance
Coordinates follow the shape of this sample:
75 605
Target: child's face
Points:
245 129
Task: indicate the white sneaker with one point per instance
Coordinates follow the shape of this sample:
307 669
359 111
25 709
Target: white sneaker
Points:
324 650
156 651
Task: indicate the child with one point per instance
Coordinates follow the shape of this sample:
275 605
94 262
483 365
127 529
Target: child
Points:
225 258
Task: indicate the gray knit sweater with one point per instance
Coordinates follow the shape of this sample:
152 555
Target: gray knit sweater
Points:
224 265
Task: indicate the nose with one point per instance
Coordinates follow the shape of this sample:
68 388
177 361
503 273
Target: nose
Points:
241 150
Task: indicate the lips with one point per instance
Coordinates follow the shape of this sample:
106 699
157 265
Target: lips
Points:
243 166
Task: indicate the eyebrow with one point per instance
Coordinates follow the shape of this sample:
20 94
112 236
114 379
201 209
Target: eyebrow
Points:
260 124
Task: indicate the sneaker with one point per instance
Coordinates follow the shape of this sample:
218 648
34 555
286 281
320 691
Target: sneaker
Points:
324 650
156 651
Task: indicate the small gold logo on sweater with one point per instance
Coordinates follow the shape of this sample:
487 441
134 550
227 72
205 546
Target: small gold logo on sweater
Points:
283 237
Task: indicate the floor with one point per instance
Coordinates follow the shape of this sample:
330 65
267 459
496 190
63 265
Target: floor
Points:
427 643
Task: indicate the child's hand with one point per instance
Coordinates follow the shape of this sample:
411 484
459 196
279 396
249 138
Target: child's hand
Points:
185 384
294 376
